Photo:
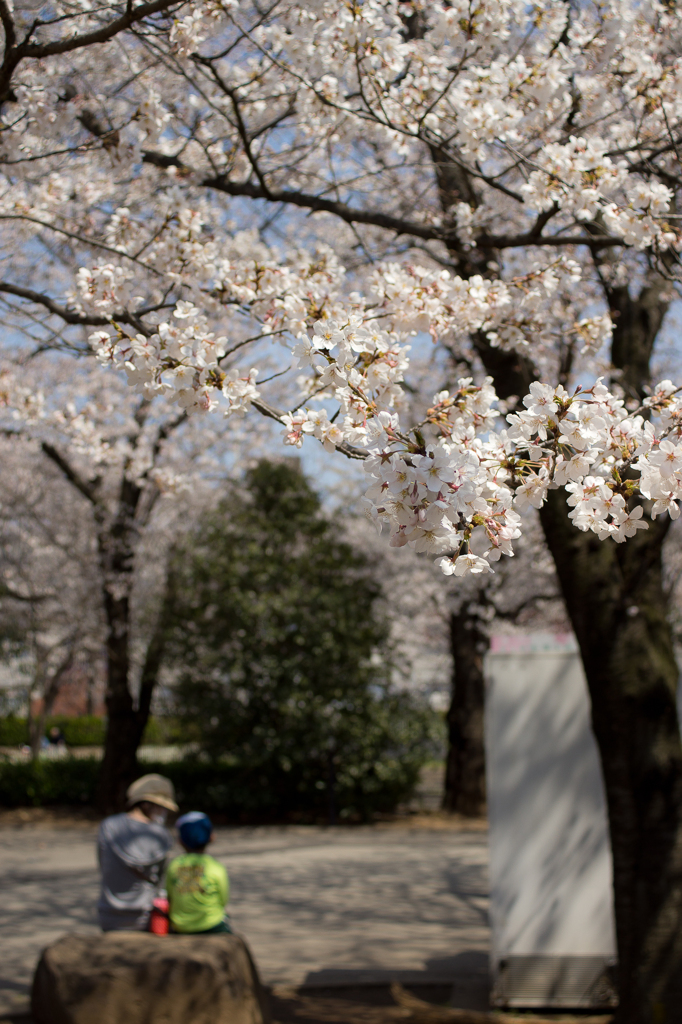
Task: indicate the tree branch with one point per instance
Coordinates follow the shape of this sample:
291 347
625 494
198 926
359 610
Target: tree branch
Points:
517 241
317 204
79 238
153 658
85 488
401 225
7 591
100 35
349 450
15 54
512 614
244 136
56 678
150 494
69 316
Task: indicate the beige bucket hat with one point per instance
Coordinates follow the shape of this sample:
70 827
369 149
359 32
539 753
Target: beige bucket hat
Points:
155 788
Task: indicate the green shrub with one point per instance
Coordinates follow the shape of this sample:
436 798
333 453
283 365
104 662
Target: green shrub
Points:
231 791
89 730
161 732
13 731
43 783
84 731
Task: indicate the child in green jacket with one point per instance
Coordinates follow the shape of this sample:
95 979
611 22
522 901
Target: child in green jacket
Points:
197 885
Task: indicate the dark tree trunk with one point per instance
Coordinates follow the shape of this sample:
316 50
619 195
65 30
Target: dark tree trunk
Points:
36 720
618 608
119 764
615 598
464 791
126 720
36 730
124 725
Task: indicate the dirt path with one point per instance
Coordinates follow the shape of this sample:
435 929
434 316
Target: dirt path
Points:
318 906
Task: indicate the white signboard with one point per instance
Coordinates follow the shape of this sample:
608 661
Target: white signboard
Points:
550 863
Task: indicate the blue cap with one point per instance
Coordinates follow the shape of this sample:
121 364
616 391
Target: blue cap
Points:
195 829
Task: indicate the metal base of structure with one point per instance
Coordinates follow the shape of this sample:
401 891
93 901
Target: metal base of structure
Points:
555 981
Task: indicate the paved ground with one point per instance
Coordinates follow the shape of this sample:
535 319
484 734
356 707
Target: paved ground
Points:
320 906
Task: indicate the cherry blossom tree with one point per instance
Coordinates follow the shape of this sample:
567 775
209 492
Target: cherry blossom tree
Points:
115 479
304 192
49 609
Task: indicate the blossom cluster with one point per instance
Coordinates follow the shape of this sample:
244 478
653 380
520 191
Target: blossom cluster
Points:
513 314
579 178
463 494
456 485
182 357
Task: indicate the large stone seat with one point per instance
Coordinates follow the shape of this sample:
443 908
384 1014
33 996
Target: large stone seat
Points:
139 978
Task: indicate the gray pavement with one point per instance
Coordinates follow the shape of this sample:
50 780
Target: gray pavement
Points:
318 906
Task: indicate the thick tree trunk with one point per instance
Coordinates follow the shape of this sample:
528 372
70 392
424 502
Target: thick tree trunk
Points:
119 764
116 543
126 721
464 790
615 599
36 718
36 729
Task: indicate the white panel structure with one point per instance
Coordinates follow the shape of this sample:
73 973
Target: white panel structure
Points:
551 901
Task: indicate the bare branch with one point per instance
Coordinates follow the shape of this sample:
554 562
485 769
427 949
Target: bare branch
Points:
100 35
7 591
512 614
316 204
517 241
85 488
15 54
377 218
349 450
69 316
77 238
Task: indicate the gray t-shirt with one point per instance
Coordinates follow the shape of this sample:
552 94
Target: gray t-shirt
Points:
132 855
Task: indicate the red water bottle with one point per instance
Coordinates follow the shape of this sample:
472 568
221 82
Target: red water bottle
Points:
159 922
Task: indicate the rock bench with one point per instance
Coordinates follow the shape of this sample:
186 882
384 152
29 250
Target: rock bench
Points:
140 978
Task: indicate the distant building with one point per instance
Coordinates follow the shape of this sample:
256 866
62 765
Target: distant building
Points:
81 693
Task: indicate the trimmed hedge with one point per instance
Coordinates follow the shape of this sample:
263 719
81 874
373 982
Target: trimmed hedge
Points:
86 731
229 791
42 783
13 731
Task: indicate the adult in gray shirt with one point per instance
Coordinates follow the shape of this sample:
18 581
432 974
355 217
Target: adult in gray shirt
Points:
132 850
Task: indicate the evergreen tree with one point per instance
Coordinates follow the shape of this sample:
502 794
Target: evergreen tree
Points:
283 654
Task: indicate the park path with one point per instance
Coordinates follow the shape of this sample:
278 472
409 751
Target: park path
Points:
316 905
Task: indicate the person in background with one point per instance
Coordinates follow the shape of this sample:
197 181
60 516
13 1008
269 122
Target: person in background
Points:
197 885
56 737
132 848
53 745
